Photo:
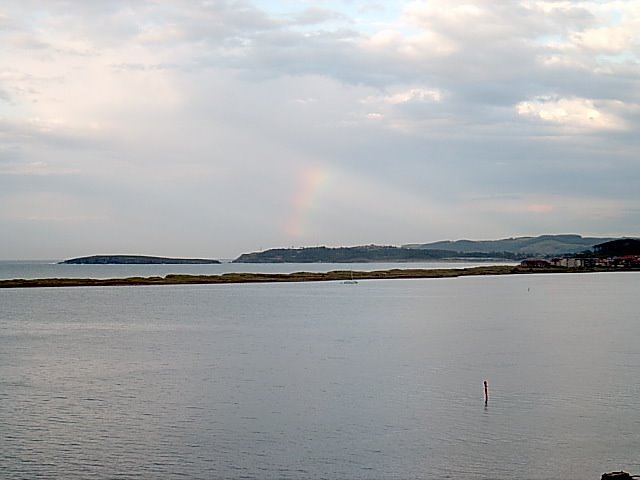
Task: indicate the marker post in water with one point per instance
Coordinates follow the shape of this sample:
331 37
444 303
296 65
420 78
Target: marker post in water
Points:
486 392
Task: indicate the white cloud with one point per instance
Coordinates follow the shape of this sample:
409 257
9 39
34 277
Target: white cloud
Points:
420 95
163 34
605 39
403 96
422 45
570 112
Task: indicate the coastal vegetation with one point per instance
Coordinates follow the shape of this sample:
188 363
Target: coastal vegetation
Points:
336 275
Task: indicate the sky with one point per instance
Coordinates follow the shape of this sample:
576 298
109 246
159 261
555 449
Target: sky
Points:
214 128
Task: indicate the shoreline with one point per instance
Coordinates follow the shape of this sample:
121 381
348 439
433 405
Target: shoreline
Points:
335 275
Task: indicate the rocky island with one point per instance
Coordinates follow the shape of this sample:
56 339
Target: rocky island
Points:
135 260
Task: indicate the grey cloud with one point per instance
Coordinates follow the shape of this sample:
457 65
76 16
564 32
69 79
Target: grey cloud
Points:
21 134
218 21
139 67
4 95
256 100
500 72
29 41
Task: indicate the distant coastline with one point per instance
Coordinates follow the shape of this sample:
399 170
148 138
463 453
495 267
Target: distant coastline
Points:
520 248
337 275
136 260
364 254
512 249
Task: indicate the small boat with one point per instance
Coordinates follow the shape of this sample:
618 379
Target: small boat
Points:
350 282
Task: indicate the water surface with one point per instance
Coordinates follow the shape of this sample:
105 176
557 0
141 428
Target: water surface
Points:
10 269
382 379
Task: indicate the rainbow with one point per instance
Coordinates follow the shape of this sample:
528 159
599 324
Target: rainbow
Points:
309 185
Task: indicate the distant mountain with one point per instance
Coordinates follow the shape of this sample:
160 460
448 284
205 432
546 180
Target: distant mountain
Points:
135 260
360 254
543 245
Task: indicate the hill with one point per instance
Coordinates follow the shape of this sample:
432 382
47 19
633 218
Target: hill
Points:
360 254
618 248
543 245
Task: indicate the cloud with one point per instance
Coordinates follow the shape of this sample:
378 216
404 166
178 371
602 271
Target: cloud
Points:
315 15
533 213
481 118
570 112
46 207
419 95
540 208
604 40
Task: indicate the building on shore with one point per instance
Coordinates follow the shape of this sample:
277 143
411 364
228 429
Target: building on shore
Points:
626 261
535 263
569 262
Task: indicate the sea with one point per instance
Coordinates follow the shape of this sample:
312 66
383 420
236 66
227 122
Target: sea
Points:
382 379
10 269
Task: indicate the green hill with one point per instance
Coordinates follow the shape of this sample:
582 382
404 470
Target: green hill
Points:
543 245
618 248
360 254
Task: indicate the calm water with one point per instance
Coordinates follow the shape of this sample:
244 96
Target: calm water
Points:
51 269
377 380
